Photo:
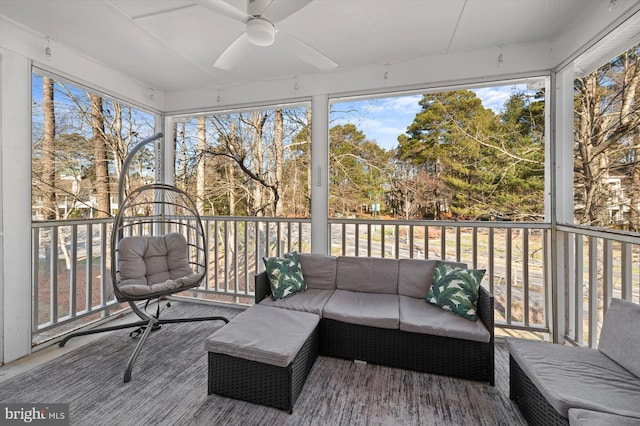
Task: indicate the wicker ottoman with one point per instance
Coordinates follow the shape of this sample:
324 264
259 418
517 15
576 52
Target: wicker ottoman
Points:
263 356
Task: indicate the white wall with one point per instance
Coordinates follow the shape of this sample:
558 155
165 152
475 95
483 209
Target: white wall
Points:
18 48
15 204
68 64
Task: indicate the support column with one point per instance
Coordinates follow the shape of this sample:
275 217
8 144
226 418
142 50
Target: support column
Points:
165 149
319 174
15 208
559 203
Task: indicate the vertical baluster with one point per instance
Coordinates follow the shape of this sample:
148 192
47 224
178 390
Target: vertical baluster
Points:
507 275
343 240
491 254
579 288
35 273
410 230
89 268
593 290
607 275
236 278
525 276
53 277
73 272
104 265
474 248
245 256
458 244
626 270
357 239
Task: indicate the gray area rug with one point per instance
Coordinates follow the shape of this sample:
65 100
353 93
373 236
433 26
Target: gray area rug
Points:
169 387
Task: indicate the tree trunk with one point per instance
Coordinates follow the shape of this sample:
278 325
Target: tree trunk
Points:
49 202
100 157
202 146
230 171
309 171
279 154
258 119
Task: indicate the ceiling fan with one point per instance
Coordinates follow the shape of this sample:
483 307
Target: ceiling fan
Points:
260 19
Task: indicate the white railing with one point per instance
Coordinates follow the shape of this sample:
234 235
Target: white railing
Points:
71 284
512 253
601 264
70 278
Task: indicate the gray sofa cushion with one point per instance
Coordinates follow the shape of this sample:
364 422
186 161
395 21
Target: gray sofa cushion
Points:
312 300
417 316
246 336
370 309
620 335
575 377
367 274
319 271
415 276
579 417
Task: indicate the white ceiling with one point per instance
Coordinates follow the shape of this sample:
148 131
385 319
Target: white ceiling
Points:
172 44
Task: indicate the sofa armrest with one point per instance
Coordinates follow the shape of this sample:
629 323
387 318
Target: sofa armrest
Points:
485 309
262 287
486 314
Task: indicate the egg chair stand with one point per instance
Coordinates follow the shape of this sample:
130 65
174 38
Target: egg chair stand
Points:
158 248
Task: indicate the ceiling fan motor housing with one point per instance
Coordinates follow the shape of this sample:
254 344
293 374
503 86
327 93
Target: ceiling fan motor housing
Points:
260 32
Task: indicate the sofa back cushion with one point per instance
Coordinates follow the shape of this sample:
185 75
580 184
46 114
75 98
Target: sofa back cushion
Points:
416 275
319 270
367 274
620 335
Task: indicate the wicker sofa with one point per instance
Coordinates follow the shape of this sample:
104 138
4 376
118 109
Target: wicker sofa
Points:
556 384
374 310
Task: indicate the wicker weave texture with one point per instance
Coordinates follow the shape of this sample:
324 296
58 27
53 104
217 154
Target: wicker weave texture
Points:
262 287
260 383
533 406
412 351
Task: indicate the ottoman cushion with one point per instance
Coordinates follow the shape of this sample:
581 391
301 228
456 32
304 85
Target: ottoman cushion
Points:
576 377
579 417
264 334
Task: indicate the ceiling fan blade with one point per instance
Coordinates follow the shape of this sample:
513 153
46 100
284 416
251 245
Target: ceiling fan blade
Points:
224 8
257 7
276 11
305 52
232 54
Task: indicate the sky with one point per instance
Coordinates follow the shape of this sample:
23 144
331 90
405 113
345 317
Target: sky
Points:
383 120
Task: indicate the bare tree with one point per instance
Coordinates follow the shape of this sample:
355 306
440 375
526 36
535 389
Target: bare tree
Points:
607 120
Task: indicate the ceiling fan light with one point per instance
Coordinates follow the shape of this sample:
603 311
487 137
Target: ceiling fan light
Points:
261 32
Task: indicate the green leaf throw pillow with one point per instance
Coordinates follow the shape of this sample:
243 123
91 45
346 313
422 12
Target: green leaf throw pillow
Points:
285 275
456 290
